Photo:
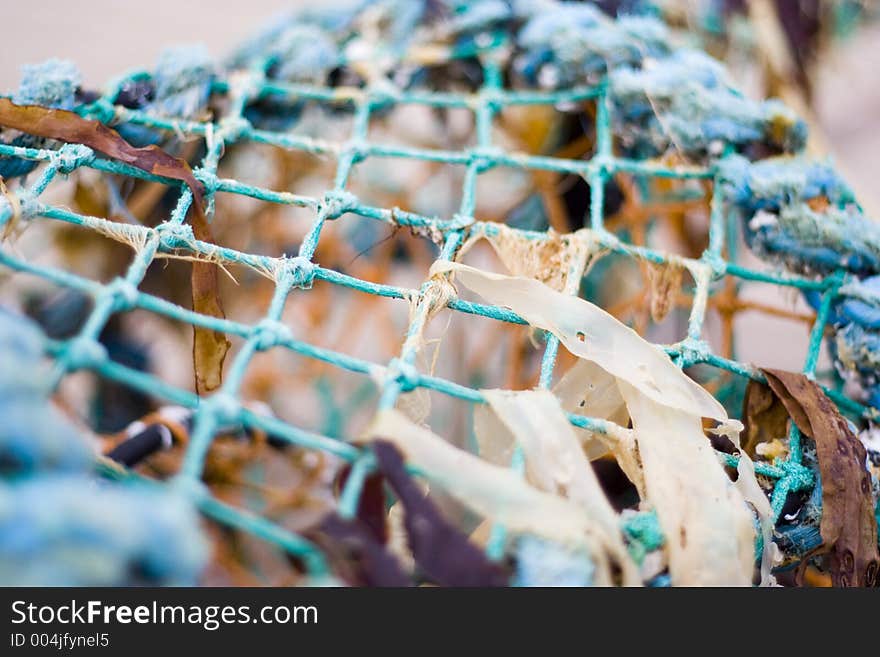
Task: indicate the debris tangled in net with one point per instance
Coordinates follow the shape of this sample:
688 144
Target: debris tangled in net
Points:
347 195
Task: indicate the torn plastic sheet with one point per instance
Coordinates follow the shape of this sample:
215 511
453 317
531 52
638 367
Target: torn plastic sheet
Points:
748 486
555 462
587 389
590 333
710 534
494 492
709 531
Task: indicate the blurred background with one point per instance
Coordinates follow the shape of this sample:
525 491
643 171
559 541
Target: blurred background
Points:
106 37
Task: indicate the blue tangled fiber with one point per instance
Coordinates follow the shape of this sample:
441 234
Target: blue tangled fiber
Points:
70 530
544 563
179 87
800 214
54 83
59 525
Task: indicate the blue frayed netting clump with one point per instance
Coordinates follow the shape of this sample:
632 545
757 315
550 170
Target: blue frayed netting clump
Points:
61 527
633 131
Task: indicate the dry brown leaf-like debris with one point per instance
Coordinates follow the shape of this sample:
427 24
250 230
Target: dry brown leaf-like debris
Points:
209 347
357 556
848 526
441 551
764 419
62 125
665 282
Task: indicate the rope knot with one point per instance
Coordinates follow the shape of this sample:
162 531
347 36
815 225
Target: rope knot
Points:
270 333
296 272
357 150
102 110
173 235
461 221
124 294
232 127
383 94
224 407
716 263
601 165
72 156
493 99
485 158
800 477
84 353
336 203
692 351
405 374
209 180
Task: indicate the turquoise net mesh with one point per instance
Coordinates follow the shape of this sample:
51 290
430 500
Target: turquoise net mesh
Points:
731 123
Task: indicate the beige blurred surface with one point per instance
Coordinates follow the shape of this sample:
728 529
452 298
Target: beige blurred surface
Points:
107 37
848 104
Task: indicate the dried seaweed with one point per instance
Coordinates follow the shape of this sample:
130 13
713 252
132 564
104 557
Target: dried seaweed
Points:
703 514
209 347
66 126
764 419
555 462
494 492
371 509
443 553
848 526
552 260
358 557
665 282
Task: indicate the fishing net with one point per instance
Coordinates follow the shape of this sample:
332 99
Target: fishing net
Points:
342 159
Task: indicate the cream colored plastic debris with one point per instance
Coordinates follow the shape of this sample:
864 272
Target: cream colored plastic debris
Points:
494 442
499 494
748 486
585 381
708 528
587 389
591 333
555 461
492 491
709 532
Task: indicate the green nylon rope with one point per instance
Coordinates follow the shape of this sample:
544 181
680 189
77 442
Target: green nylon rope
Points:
294 275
